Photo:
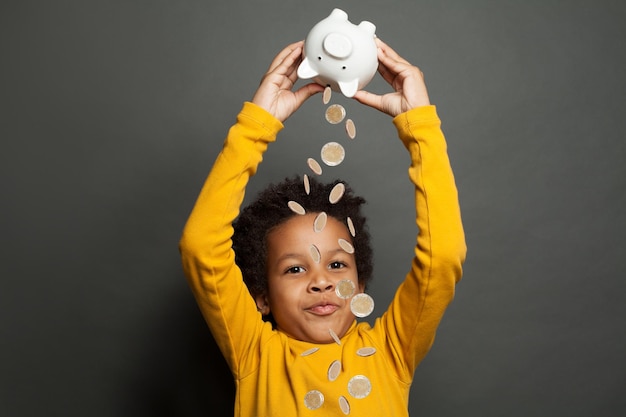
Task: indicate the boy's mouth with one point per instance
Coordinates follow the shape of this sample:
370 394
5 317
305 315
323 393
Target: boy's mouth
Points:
323 309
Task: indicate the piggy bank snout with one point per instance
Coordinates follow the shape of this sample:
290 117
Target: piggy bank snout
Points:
337 45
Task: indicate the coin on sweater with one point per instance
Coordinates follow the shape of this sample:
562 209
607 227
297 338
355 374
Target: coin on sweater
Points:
309 351
359 386
333 370
344 405
313 399
366 351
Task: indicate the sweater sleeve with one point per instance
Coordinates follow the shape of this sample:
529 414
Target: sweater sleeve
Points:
206 246
412 318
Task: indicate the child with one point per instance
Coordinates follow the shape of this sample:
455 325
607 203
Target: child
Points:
312 357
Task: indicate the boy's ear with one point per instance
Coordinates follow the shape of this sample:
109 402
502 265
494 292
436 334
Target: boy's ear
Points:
262 305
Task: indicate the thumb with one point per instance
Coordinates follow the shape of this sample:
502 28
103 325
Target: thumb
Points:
306 91
369 99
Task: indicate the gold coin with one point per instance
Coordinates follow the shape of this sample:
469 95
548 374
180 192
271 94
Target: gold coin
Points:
296 208
334 336
359 386
336 193
313 399
344 405
328 92
345 289
335 113
309 351
345 245
315 254
362 305
350 129
320 222
351 227
333 370
366 351
314 165
307 185
333 154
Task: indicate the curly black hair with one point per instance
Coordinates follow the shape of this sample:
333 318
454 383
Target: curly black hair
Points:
270 209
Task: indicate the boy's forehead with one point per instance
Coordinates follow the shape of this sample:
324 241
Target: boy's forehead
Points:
315 223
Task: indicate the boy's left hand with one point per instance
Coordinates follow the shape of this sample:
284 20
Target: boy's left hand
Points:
406 79
275 91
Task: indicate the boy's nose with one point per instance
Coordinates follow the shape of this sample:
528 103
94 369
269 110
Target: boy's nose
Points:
321 284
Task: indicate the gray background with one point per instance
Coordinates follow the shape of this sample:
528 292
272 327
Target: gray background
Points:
112 113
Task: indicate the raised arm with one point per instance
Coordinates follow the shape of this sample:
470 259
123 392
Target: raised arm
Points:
206 245
410 323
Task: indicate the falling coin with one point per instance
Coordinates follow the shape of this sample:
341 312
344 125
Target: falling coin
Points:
334 336
315 254
320 222
351 227
336 193
345 245
333 370
296 208
350 129
313 399
335 113
328 92
345 289
307 185
362 305
366 351
359 386
309 351
344 405
314 165
333 154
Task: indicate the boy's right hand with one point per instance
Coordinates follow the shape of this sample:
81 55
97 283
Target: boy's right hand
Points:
275 91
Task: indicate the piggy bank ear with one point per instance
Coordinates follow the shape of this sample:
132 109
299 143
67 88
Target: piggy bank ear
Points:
349 88
368 27
305 71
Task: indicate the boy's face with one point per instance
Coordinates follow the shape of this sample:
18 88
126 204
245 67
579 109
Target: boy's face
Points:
301 292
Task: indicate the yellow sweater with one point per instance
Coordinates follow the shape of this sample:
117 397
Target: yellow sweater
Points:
272 376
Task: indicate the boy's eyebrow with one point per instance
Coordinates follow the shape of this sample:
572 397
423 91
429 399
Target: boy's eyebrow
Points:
298 256
289 255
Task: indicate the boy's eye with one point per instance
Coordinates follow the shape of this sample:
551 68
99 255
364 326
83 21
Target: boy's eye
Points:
294 270
336 265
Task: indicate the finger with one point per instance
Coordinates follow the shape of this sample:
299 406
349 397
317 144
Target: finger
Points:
386 73
288 68
294 48
389 52
306 91
369 99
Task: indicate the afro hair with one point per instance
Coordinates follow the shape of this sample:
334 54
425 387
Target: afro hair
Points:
270 209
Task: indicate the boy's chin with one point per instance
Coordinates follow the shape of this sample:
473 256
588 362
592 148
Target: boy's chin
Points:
322 336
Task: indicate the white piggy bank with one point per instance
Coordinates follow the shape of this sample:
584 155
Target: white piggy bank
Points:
340 54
